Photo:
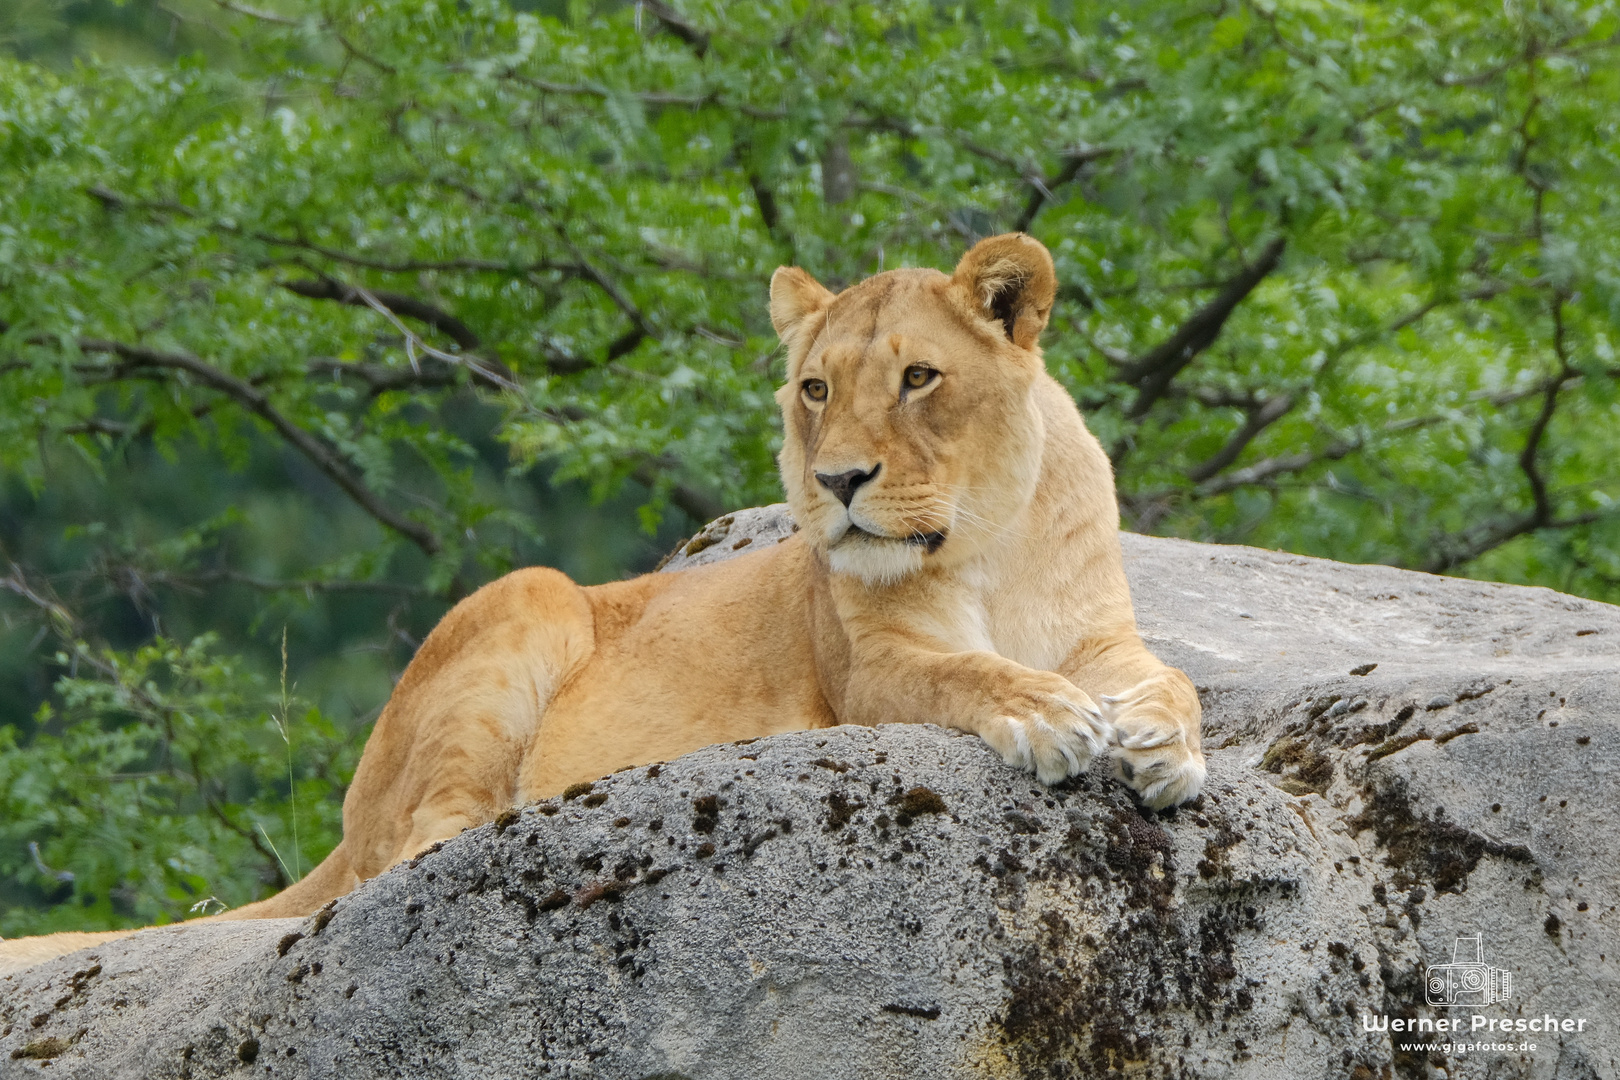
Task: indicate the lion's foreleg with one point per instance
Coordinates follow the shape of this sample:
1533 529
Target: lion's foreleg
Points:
1037 720
1153 710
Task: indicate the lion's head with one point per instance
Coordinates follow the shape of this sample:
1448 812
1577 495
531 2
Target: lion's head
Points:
911 437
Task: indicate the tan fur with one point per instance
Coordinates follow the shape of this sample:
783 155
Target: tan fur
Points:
976 580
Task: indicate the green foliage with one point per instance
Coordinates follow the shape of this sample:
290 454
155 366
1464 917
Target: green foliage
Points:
163 781
1336 278
57 32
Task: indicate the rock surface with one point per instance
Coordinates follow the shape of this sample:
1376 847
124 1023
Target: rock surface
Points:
1396 760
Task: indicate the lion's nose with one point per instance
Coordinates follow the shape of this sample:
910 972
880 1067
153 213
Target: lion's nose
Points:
844 484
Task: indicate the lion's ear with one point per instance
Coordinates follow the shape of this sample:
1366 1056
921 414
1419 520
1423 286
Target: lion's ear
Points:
795 296
1009 279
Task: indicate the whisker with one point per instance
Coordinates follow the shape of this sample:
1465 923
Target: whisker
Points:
979 519
933 516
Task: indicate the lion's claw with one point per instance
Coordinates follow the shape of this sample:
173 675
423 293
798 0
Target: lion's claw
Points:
1055 736
1150 750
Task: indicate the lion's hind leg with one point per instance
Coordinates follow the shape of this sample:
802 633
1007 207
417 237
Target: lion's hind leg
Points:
447 750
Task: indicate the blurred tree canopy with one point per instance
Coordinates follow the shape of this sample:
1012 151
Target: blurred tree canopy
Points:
314 317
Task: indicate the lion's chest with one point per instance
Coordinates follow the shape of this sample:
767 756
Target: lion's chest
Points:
1024 620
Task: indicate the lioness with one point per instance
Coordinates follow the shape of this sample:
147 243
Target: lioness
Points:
958 562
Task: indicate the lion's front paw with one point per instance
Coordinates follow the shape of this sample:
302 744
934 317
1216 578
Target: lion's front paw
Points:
1155 742
1050 727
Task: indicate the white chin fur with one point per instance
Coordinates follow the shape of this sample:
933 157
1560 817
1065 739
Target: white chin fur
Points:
876 563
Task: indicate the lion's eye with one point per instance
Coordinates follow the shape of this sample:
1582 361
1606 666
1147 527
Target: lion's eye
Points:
917 376
815 389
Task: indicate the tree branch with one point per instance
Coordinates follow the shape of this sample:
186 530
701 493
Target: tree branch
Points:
255 13
769 213
69 630
656 98
1538 428
1269 468
639 330
325 288
338 470
1152 372
491 372
199 578
380 378
699 506
118 429
100 425
365 58
676 24
113 200
626 342
488 372
1042 187
282 881
1451 552
1262 413
1260 416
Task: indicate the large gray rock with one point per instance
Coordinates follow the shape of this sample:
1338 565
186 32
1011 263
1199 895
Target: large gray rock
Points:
896 902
